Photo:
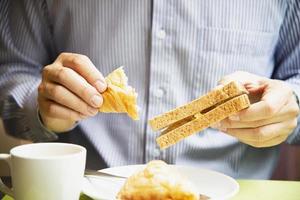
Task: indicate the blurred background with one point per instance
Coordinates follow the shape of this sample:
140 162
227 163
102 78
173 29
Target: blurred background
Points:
288 167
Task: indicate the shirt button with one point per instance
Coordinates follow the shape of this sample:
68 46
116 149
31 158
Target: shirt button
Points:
156 153
161 34
159 92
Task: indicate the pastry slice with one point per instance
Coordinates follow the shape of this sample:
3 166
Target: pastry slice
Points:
119 96
158 181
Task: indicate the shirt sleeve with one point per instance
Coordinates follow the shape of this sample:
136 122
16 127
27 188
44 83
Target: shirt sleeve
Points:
25 47
287 56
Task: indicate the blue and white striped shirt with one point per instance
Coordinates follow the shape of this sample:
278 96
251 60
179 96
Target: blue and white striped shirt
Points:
174 51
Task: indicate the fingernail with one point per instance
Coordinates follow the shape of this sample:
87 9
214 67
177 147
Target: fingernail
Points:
92 111
96 100
234 118
101 85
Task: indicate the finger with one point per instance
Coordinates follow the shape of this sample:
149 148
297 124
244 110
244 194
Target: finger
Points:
254 88
288 112
272 142
76 84
51 109
263 133
257 111
240 76
63 96
273 99
227 123
84 66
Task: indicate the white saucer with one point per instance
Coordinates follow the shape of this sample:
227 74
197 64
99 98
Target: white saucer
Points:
213 184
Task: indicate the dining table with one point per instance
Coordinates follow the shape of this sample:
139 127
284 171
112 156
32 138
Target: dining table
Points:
254 190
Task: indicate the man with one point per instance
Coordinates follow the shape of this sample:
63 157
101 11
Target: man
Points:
54 54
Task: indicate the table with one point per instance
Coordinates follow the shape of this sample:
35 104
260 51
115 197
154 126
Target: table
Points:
258 190
265 190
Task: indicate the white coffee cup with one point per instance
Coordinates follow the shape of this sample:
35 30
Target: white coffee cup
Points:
45 171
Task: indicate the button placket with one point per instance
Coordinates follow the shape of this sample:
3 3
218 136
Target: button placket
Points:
159 81
156 153
161 34
159 92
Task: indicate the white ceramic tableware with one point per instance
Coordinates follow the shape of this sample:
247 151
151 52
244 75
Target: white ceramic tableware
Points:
45 171
211 183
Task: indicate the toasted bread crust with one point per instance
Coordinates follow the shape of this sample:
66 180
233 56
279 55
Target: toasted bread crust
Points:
213 97
202 121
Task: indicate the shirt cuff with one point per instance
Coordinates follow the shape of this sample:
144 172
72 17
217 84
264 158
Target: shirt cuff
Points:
49 131
38 133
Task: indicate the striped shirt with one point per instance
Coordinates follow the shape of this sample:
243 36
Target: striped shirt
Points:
173 52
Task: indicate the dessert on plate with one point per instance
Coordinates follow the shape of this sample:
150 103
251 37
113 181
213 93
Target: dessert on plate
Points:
158 181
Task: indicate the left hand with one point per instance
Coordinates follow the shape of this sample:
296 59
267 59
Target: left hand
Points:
270 119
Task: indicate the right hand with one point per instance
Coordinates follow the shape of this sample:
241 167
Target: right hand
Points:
70 91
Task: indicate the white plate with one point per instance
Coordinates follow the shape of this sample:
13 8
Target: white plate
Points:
210 183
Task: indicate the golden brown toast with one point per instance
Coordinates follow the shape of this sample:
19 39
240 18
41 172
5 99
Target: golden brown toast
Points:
199 114
202 121
213 97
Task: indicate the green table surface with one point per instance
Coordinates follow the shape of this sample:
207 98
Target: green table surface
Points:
257 190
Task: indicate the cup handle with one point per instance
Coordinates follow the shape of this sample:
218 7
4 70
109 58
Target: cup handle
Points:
3 187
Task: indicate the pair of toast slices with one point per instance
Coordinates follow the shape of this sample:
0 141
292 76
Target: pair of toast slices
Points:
200 113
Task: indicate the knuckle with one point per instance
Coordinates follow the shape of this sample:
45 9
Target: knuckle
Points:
51 109
84 57
260 134
45 72
77 59
85 92
270 110
62 55
61 73
41 88
91 75
54 91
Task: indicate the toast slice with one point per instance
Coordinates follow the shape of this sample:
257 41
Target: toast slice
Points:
200 121
212 98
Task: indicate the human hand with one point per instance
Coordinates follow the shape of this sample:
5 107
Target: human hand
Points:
271 117
70 91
